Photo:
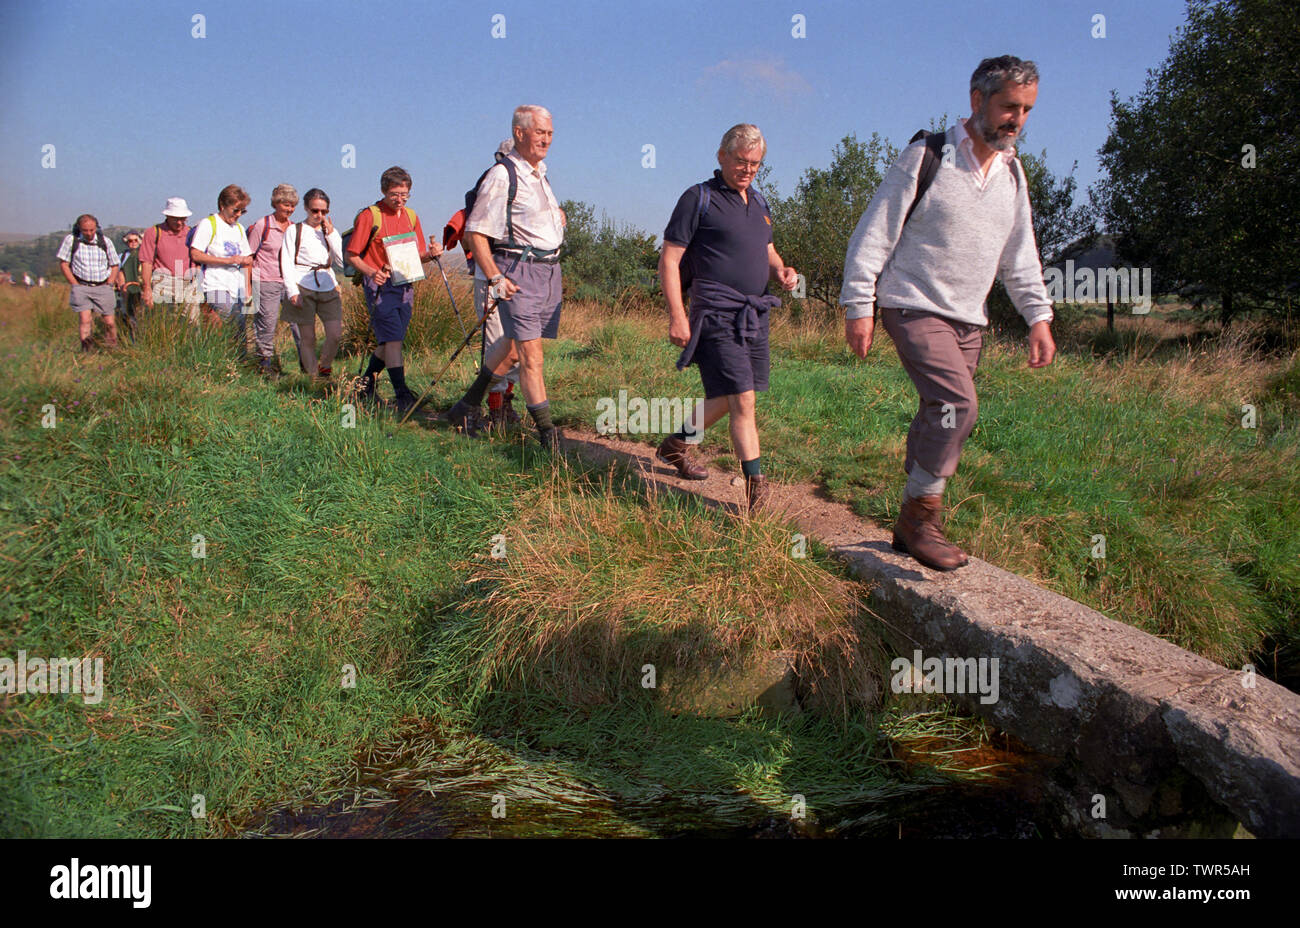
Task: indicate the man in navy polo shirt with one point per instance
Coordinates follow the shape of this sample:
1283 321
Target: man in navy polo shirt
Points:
719 244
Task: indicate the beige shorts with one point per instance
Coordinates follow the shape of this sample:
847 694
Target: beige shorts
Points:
168 288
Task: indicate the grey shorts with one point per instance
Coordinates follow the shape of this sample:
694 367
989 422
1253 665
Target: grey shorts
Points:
533 312
226 304
99 299
327 304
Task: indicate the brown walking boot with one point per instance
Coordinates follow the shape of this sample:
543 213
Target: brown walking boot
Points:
919 532
676 453
756 491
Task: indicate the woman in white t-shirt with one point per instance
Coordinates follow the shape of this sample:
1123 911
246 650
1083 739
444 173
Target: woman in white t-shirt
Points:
308 256
221 247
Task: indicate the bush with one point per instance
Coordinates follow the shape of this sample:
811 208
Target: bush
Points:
603 261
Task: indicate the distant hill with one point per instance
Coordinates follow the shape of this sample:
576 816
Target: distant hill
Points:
35 255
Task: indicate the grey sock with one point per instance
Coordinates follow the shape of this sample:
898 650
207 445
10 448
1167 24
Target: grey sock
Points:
920 482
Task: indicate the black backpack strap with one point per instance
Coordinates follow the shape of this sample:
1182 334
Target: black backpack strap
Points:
930 163
511 193
297 242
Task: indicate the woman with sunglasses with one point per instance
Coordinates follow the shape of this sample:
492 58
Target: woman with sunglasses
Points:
308 255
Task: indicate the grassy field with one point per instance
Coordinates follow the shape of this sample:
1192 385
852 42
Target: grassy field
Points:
329 548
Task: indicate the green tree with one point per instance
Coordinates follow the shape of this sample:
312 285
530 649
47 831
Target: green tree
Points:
1202 164
603 260
811 228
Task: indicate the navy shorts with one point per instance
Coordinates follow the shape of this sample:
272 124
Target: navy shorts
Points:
533 312
390 309
729 365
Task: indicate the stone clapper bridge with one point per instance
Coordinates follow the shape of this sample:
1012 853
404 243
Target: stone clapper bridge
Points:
1186 746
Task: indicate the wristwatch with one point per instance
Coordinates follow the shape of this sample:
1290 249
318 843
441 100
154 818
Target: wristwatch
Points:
497 279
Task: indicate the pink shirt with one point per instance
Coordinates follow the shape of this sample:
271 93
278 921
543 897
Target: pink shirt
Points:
266 251
165 251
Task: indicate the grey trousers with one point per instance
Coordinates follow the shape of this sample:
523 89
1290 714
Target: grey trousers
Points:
269 294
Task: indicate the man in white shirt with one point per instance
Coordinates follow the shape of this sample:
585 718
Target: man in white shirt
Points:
928 265
516 251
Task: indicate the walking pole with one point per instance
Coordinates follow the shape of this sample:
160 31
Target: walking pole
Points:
469 337
447 283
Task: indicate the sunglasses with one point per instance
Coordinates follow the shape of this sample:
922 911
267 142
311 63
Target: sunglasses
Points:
323 212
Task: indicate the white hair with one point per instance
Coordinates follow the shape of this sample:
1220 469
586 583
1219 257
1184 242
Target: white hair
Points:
524 115
742 135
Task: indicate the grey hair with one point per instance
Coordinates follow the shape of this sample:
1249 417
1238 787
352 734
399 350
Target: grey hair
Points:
506 147
524 115
742 135
992 73
284 193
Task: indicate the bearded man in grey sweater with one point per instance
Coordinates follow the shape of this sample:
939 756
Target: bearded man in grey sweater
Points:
930 273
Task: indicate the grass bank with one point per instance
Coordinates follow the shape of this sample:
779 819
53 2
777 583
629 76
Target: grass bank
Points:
239 557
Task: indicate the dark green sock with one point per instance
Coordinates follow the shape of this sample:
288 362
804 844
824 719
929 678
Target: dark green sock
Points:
474 395
541 414
752 468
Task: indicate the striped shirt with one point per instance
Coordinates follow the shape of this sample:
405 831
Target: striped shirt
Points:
90 262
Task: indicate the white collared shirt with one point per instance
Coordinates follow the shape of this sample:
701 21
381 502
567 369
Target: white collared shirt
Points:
536 213
966 154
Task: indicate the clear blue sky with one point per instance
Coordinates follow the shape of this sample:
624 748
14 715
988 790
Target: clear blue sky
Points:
138 109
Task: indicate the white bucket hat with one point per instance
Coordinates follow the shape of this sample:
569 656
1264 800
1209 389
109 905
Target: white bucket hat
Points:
176 206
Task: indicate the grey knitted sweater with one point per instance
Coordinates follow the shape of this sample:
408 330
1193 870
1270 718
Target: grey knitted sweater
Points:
945 259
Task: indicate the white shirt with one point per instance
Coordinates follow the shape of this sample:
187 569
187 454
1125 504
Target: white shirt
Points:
966 154
537 218
228 241
316 250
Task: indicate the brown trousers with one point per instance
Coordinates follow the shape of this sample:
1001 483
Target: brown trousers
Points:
940 356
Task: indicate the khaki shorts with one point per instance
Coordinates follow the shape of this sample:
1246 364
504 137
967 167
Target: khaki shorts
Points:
168 288
327 304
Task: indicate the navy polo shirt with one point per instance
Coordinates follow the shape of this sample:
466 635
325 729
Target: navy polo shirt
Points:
729 244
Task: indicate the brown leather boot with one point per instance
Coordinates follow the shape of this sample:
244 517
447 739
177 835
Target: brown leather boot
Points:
756 492
919 532
676 453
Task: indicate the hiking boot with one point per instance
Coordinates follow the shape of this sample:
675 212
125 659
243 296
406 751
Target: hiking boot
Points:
675 452
462 415
367 392
269 369
757 489
406 402
87 345
503 416
110 340
919 532
551 438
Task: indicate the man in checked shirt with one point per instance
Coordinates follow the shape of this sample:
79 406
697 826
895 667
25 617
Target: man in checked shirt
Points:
90 264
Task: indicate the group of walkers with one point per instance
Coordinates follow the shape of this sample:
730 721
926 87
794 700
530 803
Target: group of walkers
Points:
951 214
